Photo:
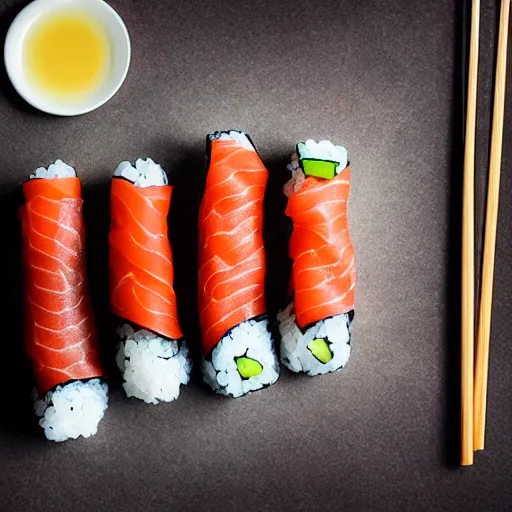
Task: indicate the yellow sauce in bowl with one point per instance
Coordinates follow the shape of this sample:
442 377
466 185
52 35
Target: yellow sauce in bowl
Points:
66 54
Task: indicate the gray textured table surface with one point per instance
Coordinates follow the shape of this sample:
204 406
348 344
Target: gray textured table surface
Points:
379 77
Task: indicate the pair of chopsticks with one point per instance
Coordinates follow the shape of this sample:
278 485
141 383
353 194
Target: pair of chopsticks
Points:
474 370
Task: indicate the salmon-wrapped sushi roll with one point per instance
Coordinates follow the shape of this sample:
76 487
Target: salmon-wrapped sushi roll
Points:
315 327
60 334
238 346
152 353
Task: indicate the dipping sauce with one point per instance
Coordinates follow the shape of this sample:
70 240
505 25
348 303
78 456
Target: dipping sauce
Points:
66 54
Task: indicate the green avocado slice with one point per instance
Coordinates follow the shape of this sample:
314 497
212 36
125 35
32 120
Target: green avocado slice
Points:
320 349
248 367
319 168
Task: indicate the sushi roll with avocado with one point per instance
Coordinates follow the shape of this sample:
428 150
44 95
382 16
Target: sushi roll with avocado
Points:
315 327
239 354
152 354
71 395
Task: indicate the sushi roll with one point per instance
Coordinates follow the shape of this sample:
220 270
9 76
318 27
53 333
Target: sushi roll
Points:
60 335
315 328
239 354
152 354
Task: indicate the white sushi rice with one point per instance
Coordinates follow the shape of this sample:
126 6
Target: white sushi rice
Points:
57 170
324 150
72 410
251 339
295 354
145 173
153 367
239 136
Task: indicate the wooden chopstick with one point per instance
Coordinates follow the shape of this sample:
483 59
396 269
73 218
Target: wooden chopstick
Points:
491 221
468 245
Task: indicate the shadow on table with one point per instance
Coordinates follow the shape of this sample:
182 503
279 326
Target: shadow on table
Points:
16 381
187 177
97 221
452 320
6 18
276 234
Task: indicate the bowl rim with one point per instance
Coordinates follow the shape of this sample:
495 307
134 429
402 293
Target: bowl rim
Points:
25 16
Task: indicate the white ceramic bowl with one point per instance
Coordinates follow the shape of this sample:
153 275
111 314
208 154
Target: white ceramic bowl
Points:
120 55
